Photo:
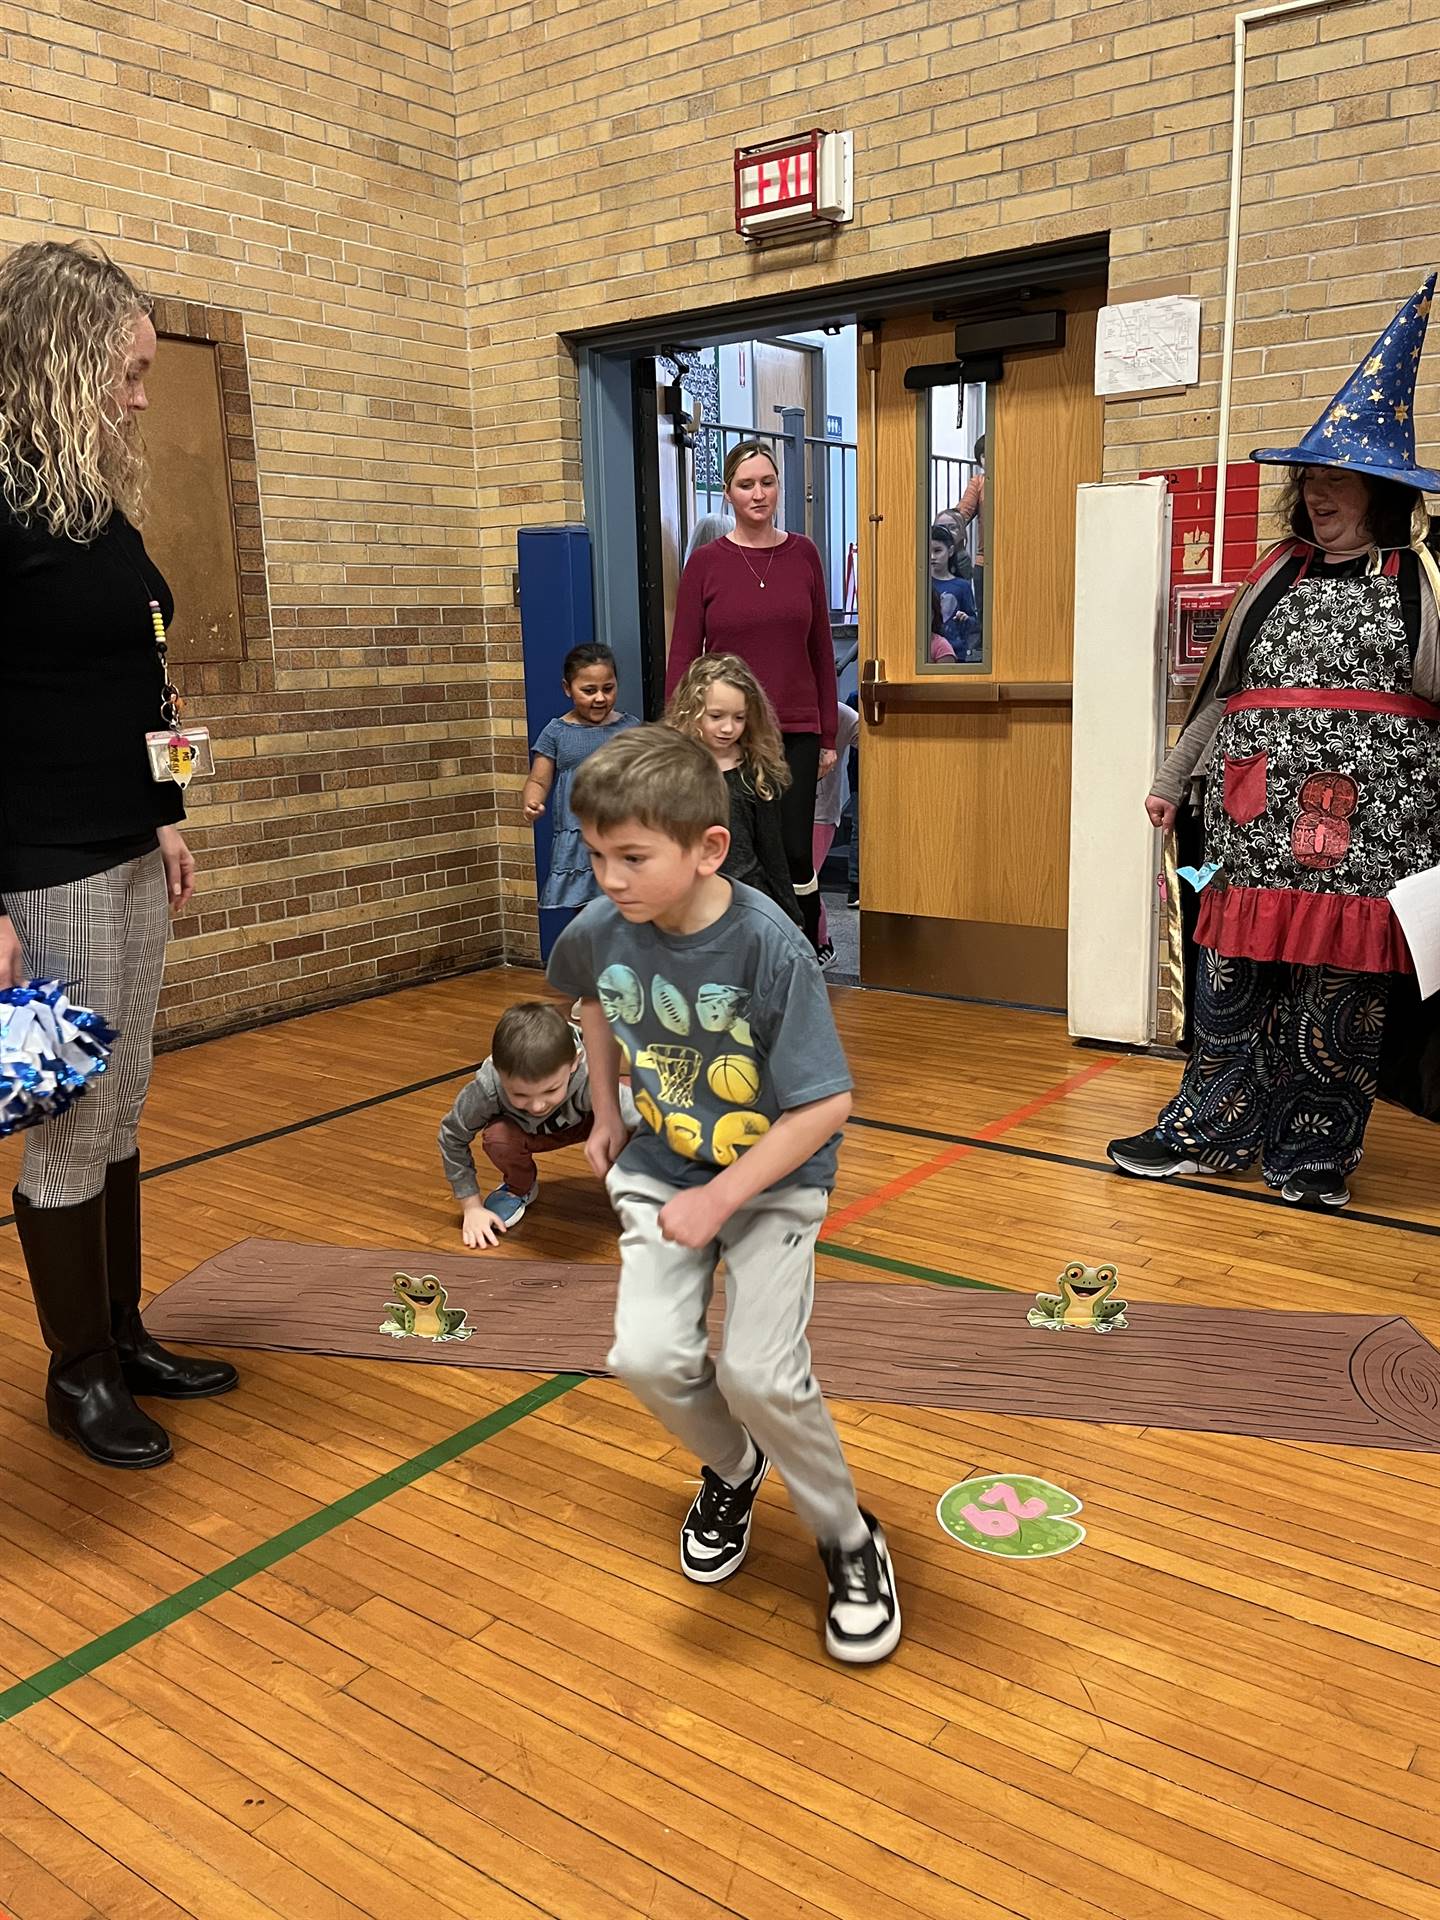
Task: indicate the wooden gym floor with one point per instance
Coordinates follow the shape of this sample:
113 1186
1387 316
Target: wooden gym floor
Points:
411 1642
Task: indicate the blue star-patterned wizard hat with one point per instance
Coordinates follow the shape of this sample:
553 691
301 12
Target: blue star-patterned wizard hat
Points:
1370 424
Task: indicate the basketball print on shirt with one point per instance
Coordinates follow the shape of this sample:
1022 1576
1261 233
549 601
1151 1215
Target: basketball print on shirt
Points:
734 1077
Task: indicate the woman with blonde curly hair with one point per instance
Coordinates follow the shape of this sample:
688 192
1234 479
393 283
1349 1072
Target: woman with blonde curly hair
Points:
720 703
91 855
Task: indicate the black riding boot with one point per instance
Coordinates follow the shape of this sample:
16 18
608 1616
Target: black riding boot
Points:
147 1366
86 1398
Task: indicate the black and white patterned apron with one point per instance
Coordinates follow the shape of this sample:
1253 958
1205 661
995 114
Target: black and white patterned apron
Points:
1326 789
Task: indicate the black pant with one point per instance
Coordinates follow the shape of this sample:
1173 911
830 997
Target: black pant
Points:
1284 1067
797 825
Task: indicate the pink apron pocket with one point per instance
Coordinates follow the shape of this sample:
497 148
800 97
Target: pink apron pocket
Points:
1245 788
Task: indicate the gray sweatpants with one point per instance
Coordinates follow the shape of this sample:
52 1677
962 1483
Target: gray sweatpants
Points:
761 1383
105 939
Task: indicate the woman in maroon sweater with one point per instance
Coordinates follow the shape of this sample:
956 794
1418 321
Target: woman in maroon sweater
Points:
761 594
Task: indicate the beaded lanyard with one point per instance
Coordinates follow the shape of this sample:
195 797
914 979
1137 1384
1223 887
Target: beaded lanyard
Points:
177 753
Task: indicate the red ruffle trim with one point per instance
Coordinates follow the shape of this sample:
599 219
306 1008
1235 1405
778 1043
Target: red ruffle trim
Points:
1307 929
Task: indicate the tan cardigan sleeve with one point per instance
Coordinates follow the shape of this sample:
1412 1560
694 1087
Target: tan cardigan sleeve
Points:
1189 758
1425 679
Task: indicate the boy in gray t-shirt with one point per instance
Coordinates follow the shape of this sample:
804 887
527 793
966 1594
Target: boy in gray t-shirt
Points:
712 1001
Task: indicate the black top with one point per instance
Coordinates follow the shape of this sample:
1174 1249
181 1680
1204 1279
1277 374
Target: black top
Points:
757 853
80 687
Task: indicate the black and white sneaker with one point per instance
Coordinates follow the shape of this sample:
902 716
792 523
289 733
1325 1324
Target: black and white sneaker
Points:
862 1618
826 954
716 1535
1316 1190
1146 1157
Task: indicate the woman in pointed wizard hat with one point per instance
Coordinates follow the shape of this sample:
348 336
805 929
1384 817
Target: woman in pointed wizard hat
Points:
1313 747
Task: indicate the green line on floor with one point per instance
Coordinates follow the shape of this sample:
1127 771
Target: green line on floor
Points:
50 1680
108 1646
908 1267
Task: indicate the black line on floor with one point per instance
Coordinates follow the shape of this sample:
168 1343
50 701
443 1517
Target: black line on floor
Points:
1218 1188
295 1126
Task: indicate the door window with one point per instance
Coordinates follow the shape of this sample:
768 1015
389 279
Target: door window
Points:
954 512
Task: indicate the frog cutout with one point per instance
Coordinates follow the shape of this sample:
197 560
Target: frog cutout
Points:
1084 1304
418 1309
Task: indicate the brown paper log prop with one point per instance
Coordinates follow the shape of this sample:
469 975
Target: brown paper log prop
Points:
1339 1378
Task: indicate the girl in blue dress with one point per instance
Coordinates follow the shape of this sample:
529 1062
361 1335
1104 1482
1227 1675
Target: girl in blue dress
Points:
589 679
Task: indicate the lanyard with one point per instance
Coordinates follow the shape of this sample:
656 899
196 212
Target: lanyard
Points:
170 700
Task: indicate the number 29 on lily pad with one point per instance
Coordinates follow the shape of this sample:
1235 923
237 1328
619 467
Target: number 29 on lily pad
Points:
1011 1514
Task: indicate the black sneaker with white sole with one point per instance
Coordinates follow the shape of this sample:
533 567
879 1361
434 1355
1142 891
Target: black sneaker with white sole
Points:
1146 1157
862 1617
716 1535
1316 1190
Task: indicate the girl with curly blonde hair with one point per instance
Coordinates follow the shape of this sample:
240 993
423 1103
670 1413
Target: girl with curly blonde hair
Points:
720 703
91 854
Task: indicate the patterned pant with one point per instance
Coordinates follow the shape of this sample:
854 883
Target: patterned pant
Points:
105 938
1285 1067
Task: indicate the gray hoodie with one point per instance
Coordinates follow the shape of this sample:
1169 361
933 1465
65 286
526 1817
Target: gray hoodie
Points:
483 1100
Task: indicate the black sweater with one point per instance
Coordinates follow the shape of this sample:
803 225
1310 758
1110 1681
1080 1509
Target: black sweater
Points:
757 853
80 687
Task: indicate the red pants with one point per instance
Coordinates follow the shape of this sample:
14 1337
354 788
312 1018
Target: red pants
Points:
513 1151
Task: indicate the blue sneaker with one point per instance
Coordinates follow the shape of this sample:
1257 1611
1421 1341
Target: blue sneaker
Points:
511 1207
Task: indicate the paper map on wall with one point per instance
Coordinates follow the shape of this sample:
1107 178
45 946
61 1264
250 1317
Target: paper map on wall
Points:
1146 344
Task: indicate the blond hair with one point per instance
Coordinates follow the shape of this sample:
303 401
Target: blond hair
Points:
531 1040
762 753
69 454
747 450
656 777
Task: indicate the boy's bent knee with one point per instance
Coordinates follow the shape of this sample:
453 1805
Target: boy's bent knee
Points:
648 1364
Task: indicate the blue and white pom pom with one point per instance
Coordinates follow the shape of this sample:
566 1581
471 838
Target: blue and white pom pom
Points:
50 1051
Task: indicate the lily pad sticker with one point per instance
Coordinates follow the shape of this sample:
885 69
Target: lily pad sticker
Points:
1011 1514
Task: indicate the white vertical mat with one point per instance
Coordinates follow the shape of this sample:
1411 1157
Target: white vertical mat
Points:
1117 738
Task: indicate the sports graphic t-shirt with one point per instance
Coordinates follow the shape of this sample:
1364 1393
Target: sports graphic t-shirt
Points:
721 1031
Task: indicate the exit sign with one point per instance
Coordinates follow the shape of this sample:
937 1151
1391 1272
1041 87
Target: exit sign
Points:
794 185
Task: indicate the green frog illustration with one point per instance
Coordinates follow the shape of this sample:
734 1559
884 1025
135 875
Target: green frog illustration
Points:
419 1308
1084 1304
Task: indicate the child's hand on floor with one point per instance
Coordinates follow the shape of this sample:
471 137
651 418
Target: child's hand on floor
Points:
478 1226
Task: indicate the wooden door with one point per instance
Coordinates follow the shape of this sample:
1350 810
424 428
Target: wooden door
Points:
789 376
965 774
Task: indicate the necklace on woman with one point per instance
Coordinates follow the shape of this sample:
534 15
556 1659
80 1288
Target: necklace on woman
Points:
760 577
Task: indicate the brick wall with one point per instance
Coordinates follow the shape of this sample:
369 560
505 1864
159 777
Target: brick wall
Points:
595 148
293 166
406 203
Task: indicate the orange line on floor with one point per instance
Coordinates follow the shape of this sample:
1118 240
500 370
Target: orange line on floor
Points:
903 1182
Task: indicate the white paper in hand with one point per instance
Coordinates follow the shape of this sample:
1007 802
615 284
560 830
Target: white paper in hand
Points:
1416 901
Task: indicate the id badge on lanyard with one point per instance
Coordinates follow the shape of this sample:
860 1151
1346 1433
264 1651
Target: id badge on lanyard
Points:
177 753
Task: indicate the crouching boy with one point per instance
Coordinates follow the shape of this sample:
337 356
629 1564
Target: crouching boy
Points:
531 1096
712 1000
